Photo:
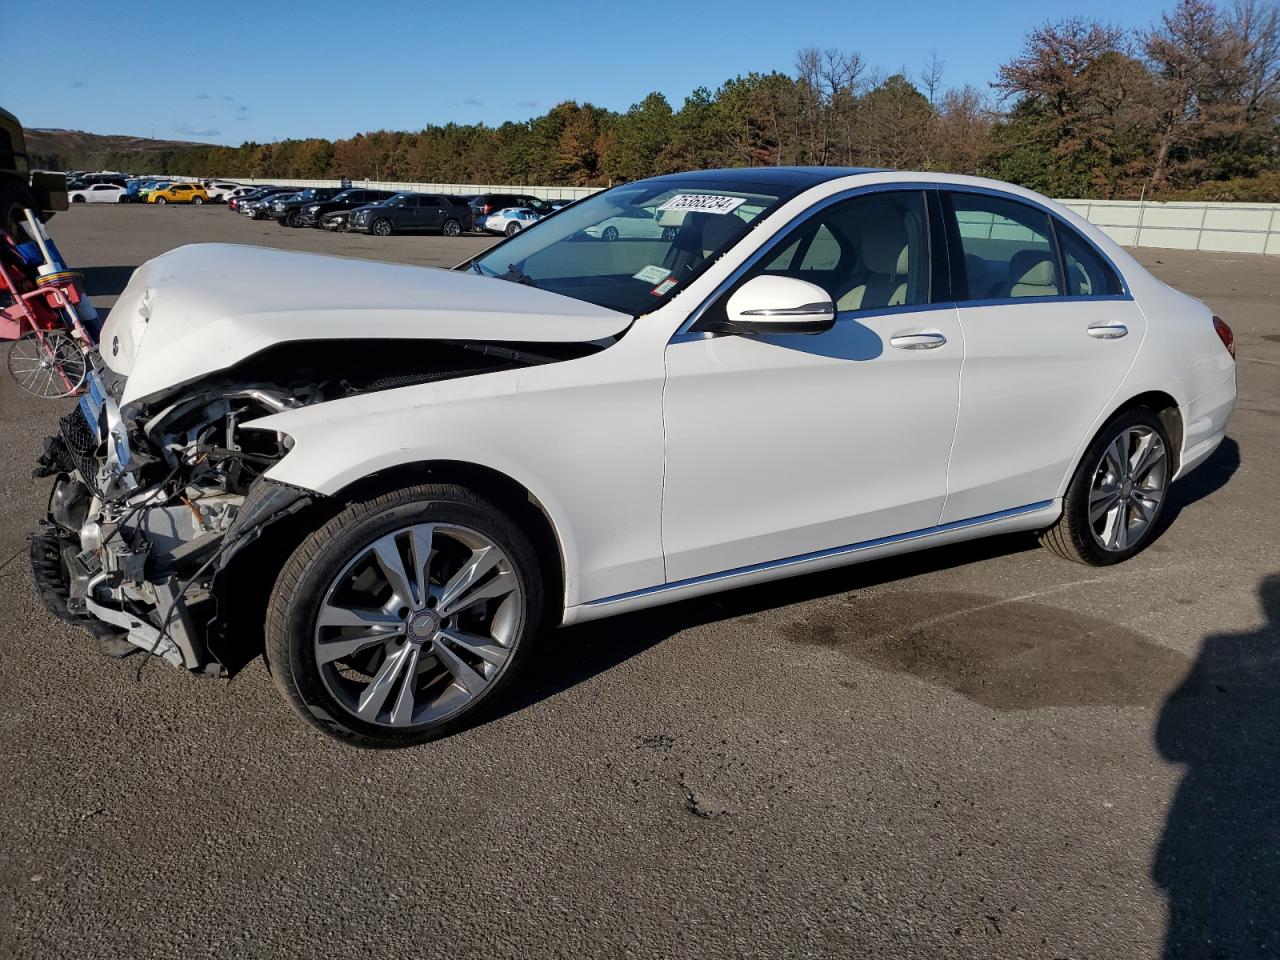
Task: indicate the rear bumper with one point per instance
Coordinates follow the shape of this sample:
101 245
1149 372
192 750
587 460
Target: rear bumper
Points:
1204 423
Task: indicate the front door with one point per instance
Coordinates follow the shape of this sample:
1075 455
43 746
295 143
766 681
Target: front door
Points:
780 446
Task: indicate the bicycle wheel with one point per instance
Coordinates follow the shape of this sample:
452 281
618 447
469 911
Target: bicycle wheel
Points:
48 364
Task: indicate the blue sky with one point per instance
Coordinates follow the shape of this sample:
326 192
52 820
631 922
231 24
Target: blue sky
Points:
233 71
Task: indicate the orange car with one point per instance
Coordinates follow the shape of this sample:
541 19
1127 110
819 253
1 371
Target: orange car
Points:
179 193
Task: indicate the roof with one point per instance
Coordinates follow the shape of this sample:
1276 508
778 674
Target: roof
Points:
794 177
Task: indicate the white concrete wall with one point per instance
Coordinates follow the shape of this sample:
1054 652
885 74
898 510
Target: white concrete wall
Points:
1222 227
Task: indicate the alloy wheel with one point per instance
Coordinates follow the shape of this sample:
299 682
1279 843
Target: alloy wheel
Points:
418 625
1128 488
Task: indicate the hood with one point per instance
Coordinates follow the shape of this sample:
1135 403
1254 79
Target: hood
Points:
203 308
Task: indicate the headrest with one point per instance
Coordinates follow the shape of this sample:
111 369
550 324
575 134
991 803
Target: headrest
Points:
1032 267
720 230
884 242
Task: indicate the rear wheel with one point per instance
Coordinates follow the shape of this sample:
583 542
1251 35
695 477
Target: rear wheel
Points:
382 227
198 201
77 200
405 617
1114 501
452 228
294 219
512 229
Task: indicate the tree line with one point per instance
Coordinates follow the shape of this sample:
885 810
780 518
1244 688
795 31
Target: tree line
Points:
1186 108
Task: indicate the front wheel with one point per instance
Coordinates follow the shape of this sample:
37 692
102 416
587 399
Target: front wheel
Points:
1115 499
404 617
382 228
609 233
512 229
161 201
452 228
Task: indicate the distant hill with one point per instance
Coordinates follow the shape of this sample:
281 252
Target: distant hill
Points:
77 150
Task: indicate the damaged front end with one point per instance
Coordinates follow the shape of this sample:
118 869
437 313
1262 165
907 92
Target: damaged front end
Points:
149 505
154 501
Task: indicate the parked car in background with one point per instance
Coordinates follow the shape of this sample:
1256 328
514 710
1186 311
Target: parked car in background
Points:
248 196
144 190
259 208
99 193
412 213
287 211
487 203
311 213
338 221
219 191
511 220
632 225
233 197
179 193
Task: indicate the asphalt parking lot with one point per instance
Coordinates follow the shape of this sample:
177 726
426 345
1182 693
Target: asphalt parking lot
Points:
979 751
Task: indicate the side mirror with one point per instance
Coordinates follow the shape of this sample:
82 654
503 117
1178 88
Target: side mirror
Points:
774 304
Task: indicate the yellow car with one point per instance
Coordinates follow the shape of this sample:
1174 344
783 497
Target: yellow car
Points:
179 193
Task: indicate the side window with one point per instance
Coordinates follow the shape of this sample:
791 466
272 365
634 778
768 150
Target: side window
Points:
428 202
868 253
1006 246
1088 275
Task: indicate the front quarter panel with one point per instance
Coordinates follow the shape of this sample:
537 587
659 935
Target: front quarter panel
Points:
583 436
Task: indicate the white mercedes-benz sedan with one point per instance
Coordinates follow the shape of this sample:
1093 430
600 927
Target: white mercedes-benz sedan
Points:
395 478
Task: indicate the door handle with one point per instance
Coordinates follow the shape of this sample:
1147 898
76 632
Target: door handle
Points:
917 341
1108 331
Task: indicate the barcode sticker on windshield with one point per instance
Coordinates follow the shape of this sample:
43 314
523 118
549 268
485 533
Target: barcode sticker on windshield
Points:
652 274
703 203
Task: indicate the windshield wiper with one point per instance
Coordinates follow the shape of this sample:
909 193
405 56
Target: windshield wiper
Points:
516 275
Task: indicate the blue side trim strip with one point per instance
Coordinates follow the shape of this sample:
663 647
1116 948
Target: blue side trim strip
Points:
823 554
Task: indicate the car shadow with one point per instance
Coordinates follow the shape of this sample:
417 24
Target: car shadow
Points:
1218 859
1206 479
572 655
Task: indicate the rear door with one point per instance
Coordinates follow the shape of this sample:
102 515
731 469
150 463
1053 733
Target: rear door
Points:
1049 333
430 213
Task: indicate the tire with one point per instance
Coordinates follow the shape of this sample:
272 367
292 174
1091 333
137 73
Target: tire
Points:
381 227
161 201
512 229
197 201
1124 475
609 233
451 228
291 219
337 571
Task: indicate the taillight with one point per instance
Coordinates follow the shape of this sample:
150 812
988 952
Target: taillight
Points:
1225 335
485 209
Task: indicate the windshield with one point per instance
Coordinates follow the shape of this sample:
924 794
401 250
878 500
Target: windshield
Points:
394 199
633 247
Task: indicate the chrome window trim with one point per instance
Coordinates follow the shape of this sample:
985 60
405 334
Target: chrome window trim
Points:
684 335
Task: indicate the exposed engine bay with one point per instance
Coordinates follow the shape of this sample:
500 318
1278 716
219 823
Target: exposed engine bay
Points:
152 500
